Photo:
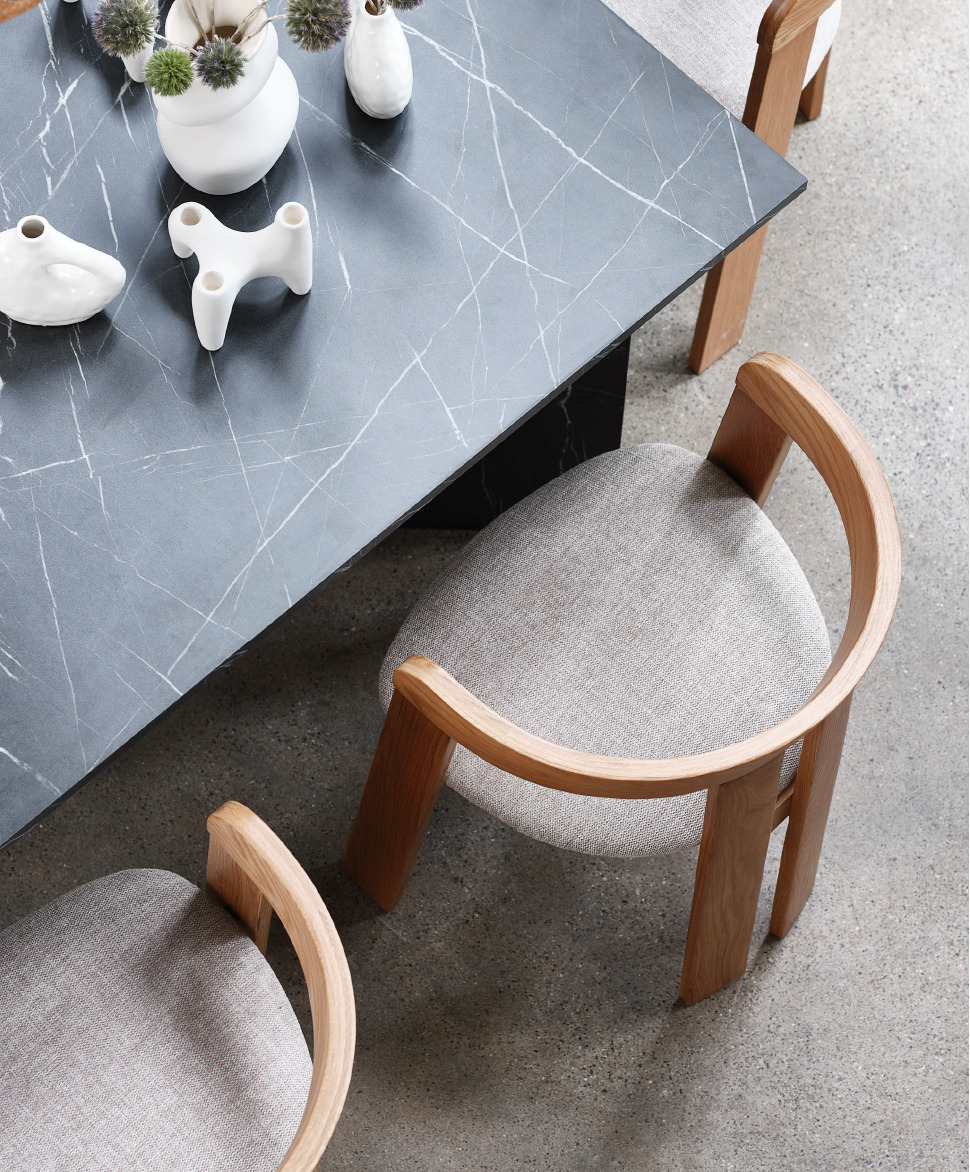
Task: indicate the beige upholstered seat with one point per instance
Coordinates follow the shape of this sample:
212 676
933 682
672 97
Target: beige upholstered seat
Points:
141 1028
715 42
642 605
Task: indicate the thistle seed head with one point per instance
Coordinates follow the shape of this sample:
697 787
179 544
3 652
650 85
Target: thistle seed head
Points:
169 72
124 27
315 25
220 63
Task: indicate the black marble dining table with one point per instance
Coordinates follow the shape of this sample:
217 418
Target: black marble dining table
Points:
480 261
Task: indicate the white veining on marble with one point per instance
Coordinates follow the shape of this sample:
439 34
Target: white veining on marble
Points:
191 500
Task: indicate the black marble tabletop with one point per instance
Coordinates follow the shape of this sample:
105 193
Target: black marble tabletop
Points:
553 183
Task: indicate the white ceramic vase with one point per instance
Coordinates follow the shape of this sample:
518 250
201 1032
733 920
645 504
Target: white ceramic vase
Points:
377 62
48 279
135 64
222 141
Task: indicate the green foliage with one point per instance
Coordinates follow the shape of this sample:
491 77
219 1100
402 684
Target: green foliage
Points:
405 5
315 25
169 72
124 27
220 63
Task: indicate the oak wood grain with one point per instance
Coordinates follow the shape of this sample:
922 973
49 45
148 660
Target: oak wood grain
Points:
785 39
785 20
266 863
750 447
730 866
814 785
12 8
225 878
402 787
725 303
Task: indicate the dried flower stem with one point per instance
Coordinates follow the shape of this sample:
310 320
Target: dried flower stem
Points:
195 18
257 31
244 23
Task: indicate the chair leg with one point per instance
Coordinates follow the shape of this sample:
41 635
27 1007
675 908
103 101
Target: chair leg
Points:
730 866
402 787
724 306
810 103
814 783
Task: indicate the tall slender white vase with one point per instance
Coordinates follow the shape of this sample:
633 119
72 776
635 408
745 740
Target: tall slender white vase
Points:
377 62
223 140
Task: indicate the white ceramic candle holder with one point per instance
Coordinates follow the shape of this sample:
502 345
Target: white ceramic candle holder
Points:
228 260
48 279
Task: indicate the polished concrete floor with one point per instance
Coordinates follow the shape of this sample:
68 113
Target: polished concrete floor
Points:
519 1008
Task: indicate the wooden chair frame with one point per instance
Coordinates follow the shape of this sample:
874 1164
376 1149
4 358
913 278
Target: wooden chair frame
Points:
784 45
11 8
774 404
253 872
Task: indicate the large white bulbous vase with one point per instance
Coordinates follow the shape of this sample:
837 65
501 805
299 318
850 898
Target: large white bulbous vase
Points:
377 62
224 140
48 279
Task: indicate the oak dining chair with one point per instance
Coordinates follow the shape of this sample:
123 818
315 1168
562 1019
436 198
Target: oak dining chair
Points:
762 65
630 661
142 1026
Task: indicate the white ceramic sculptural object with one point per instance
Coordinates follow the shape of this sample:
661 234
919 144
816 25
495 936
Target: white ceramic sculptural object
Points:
377 61
48 279
229 259
223 140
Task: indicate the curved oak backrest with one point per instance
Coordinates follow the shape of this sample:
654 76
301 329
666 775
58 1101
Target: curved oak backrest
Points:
775 403
255 874
785 39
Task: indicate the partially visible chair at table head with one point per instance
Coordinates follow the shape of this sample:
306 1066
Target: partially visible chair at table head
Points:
11 8
629 659
761 65
141 1026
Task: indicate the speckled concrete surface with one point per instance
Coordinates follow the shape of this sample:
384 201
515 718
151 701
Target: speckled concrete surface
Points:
519 1008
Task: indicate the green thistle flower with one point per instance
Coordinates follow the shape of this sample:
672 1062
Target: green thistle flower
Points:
220 63
315 25
169 72
124 27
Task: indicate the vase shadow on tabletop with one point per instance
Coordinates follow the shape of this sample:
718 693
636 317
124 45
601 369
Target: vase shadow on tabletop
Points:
32 351
386 137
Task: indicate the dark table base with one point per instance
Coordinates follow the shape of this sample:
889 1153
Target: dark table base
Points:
584 419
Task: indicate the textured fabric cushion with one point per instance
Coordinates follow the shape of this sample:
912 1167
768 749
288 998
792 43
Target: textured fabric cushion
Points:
641 605
715 42
140 1028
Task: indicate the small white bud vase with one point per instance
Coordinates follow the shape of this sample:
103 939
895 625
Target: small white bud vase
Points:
377 62
48 279
135 64
224 140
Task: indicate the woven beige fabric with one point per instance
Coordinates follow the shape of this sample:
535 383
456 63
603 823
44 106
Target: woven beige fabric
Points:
141 1029
715 42
641 605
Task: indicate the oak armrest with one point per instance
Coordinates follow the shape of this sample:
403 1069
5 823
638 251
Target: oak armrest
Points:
784 20
251 869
